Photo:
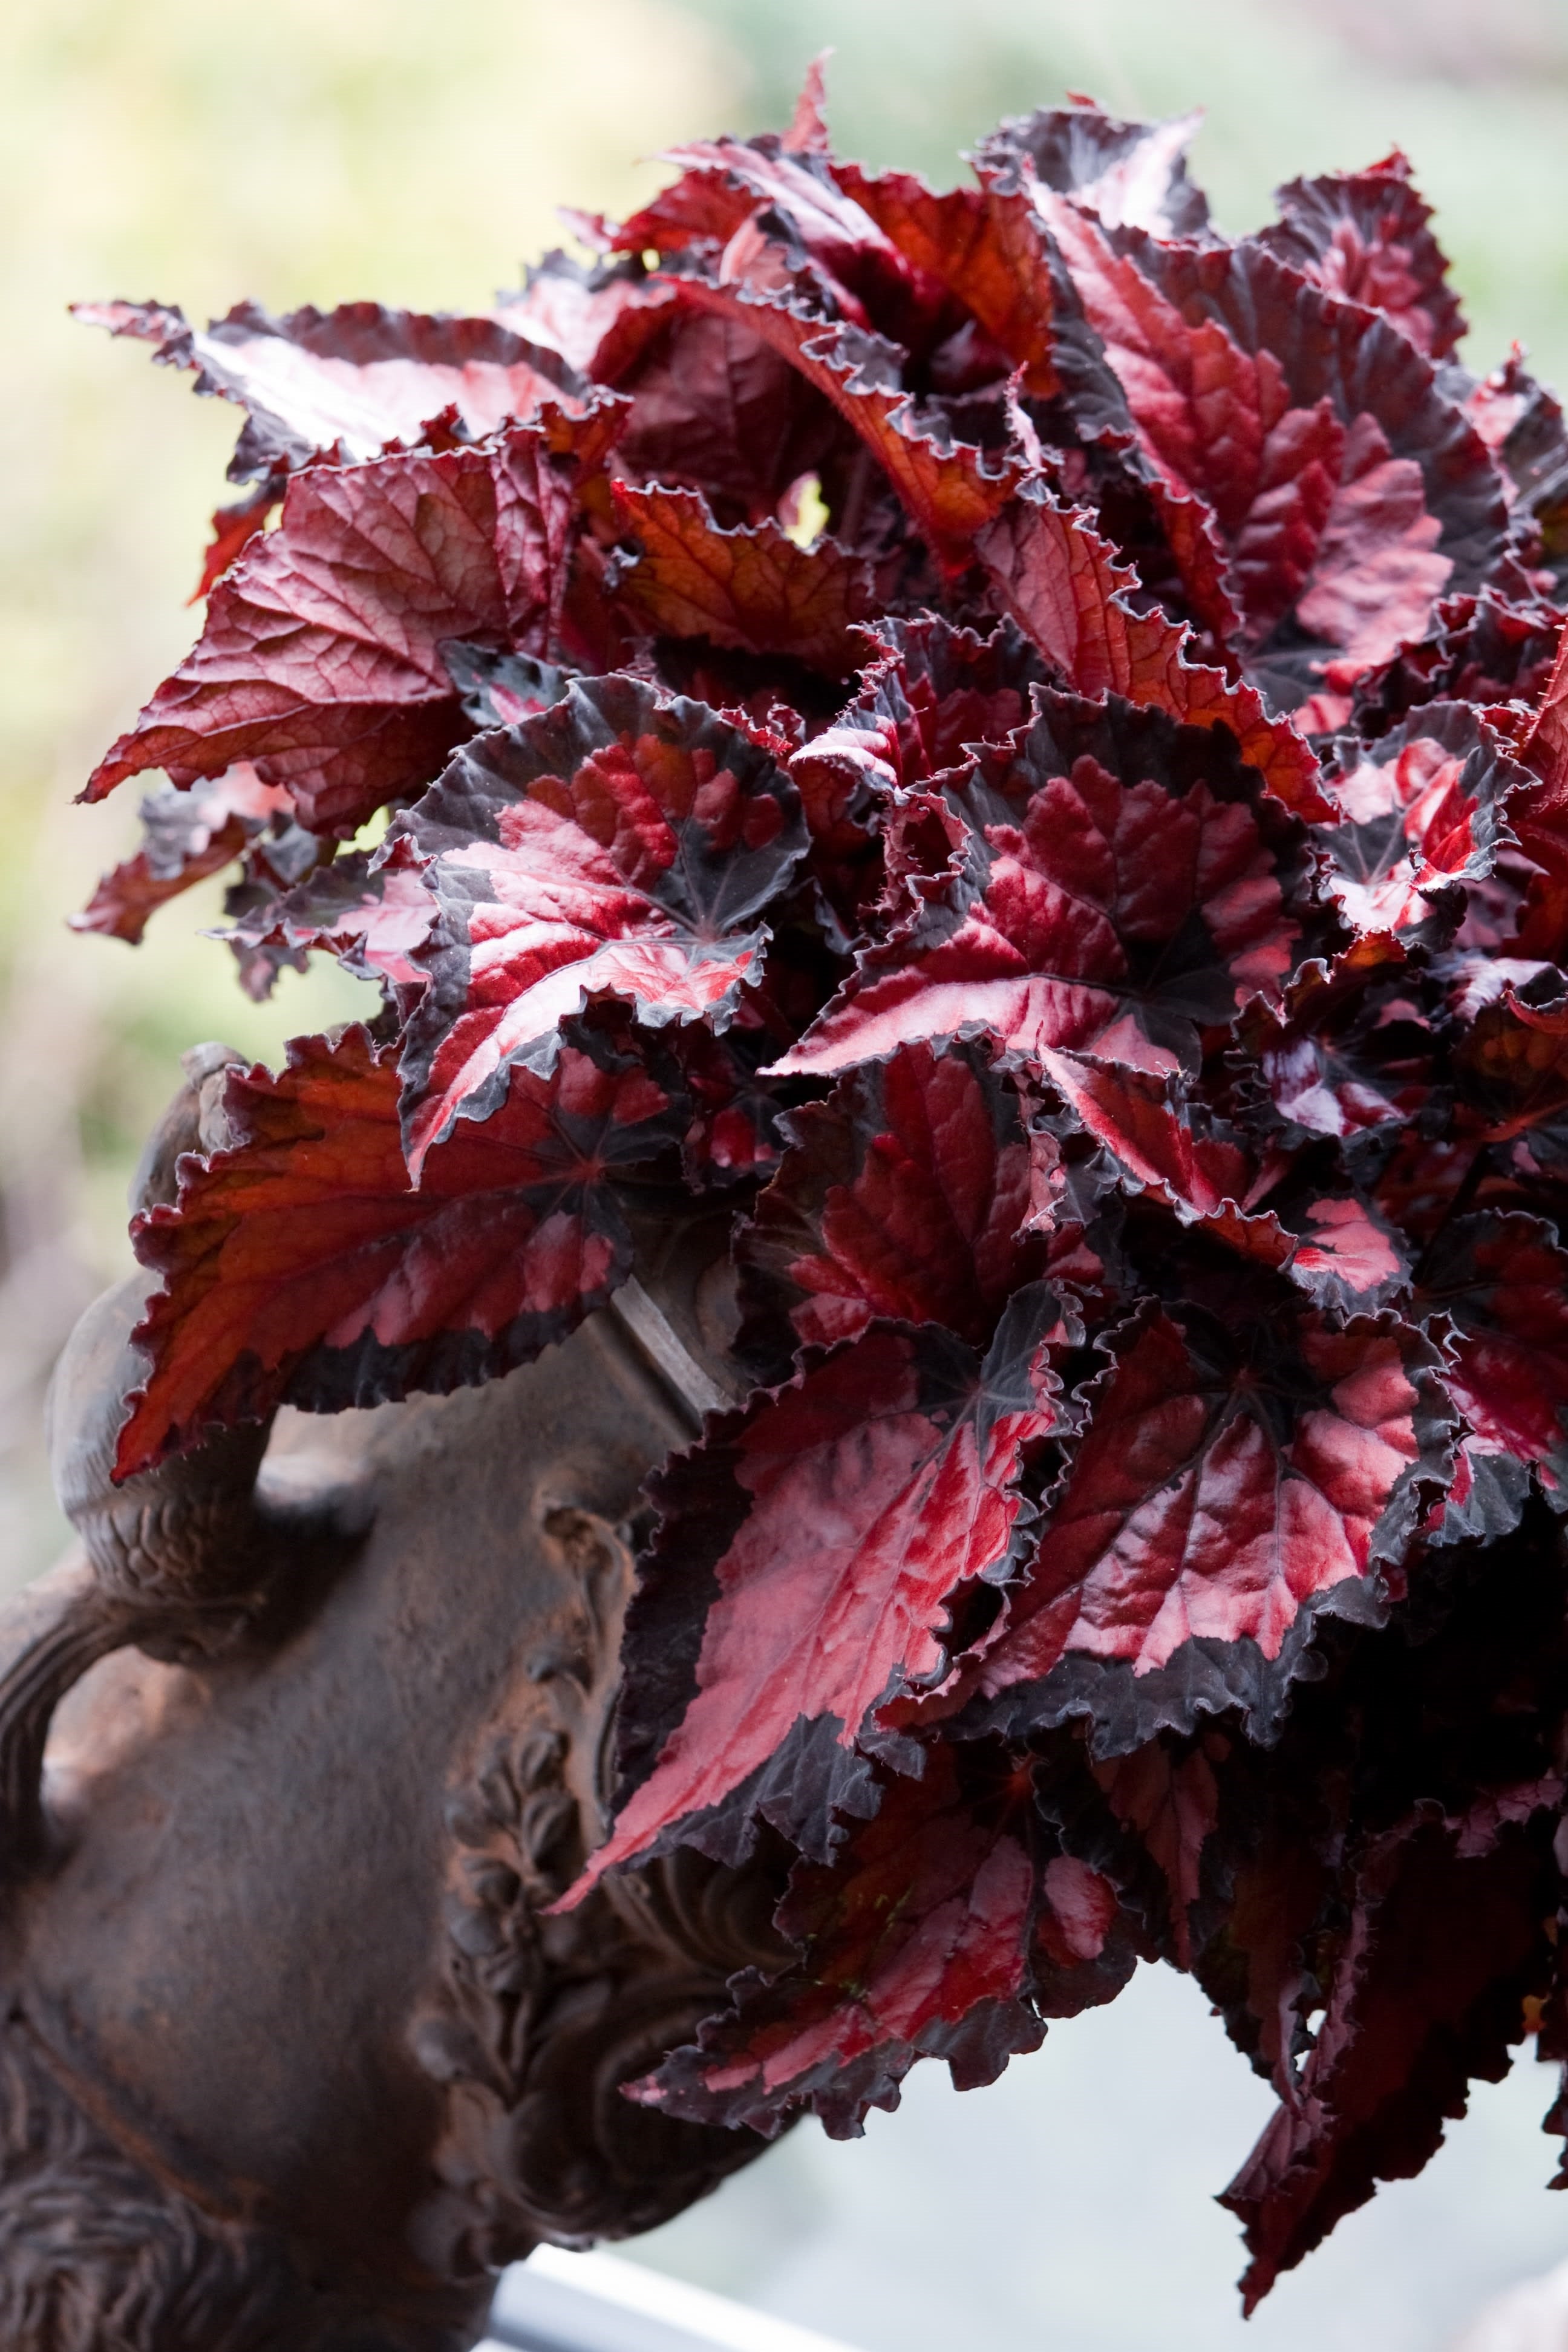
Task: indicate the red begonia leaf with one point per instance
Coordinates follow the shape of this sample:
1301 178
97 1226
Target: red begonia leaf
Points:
1344 1061
1068 592
1481 649
1541 814
906 1195
750 587
935 690
587 315
1334 1246
986 248
1203 567
1159 1137
735 1130
1422 814
745 193
320 661
372 918
724 182
1348 1256
498 690
1523 425
1251 1952
1172 1803
619 843
186 836
918 1943
233 528
1503 1283
299 1266
1511 1070
1134 175
807 132
933 1936
808 1559
715 407
344 382
1468 1709
1446 1938
950 489
1364 236
1350 492
1121 883
1229 1485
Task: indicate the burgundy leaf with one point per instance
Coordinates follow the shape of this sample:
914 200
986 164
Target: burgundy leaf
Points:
1227 1485
233 528
750 587
1344 1062
935 690
1364 236
1064 586
185 837
1503 1283
735 1130
1481 649
1421 814
1172 1802
591 318
926 1939
728 183
809 1556
951 488
807 132
299 1266
1350 492
1347 1257
716 407
985 247
498 690
1120 884
1523 425
344 382
618 842
320 661
1134 175
1446 1941
370 917
1335 1247
1511 1067
1541 814
1159 1139
906 1195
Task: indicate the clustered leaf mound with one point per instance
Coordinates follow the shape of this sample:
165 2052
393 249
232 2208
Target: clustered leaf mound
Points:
1020 745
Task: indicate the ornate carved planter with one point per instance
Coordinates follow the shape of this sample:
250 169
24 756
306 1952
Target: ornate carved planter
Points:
291 2054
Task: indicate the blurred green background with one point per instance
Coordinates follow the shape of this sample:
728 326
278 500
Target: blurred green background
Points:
202 149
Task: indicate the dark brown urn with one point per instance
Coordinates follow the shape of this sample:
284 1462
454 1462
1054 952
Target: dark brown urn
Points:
297 1749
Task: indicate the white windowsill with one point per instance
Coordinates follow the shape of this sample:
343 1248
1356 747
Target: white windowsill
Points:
557 2302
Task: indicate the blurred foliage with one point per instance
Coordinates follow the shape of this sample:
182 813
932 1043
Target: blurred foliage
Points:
197 150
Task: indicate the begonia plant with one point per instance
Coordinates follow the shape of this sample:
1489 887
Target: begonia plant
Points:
1016 746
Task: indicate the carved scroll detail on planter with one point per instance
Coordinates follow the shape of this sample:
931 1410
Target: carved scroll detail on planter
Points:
541 2020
